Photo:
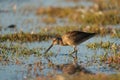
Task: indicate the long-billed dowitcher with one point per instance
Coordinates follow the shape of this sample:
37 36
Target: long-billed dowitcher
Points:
72 38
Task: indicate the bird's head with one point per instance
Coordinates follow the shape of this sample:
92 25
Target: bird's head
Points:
56 41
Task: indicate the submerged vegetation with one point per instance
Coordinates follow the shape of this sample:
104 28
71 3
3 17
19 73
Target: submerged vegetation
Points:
93 15
111 55
86 17
18 49
50 32
26 37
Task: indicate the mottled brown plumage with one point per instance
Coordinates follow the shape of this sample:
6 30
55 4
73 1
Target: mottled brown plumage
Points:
72 38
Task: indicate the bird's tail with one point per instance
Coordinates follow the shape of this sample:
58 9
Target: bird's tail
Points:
93 34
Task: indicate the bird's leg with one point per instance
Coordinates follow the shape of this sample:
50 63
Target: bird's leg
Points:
75 51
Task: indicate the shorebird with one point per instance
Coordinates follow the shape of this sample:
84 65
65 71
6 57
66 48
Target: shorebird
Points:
72 38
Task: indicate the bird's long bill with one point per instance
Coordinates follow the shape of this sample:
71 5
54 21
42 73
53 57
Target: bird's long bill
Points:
48 49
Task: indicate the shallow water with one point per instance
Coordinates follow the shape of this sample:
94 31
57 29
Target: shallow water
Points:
20 71
24 18
27 21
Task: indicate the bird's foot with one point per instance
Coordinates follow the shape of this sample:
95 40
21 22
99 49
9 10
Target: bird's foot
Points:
71 54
